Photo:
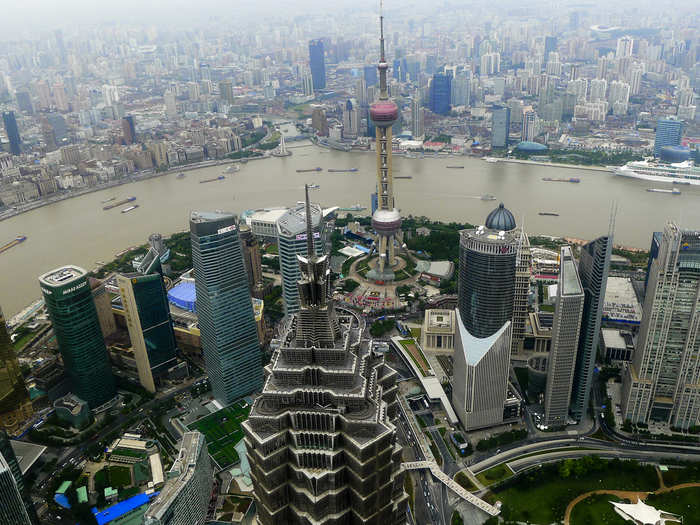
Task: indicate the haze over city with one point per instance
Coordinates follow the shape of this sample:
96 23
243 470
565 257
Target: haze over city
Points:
302 262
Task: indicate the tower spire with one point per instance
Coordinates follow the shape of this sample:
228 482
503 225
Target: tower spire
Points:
383 66
309 227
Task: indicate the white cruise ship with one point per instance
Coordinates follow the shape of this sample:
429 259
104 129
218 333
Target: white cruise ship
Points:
678 173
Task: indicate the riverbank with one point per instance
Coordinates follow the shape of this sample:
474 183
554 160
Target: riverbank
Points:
556 164
141 176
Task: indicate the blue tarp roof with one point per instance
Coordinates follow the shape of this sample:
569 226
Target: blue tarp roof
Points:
361 248
115 511
183 296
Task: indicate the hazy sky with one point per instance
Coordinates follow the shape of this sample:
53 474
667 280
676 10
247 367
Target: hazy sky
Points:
27 18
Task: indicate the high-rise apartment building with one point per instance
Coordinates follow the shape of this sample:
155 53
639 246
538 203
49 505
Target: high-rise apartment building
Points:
351 119
593 268
24 102
147 314
128 130
500 125
12 509
252 260
417 118
521 294
440 93
488 256
291 242
566 327
321 438
530 126
15 406
669 132
170 103
72 311
661 384
461 88
184 500
226 318
317 62
625 45
12 131
226 91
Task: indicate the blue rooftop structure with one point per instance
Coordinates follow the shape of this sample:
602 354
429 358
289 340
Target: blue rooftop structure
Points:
120 509
500 219
184 295
527 145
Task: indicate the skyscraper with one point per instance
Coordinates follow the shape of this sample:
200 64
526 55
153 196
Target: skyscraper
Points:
317 63
661 382
72 311
386 221
8 454
128 130
226 91
529 127
565 335
500 125
185 498
417 117
12 509
593 268
487 264
521 294
147 314
440 93
291 242
321 439
10 122
15 406
253 262
669 132
226 318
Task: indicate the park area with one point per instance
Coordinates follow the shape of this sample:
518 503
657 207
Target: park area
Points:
222 430
579 491
416 355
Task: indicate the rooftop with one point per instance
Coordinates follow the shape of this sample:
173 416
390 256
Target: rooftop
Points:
500 219
440 321
264 214
208 216
293 221
120 509
62 276
621 304
26 453
568 274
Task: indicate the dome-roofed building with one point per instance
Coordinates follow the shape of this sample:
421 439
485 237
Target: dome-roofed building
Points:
530 147
500 219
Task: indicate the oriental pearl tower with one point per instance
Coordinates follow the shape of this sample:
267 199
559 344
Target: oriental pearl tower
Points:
386 220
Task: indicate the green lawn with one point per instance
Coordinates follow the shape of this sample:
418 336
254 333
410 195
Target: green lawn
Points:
541 496
685 502
223 431
456 519
494 474
675 476
464 480
596 509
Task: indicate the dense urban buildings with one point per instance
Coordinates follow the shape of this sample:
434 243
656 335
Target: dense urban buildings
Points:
15 406
565 341
184 500
324 423
593 269
660 384
72 310
226 319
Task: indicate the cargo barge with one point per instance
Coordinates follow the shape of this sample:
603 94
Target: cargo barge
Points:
575 180
14 242
309 170
220 177
119 203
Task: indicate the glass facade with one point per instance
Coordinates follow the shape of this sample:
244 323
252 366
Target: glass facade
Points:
15 405
317 61
440 94
70 305
594 265
486 280
226 319
156 325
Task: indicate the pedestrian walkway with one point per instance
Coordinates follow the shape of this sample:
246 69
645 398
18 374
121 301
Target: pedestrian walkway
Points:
453 485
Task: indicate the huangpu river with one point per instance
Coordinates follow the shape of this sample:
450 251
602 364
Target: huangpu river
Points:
78 231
